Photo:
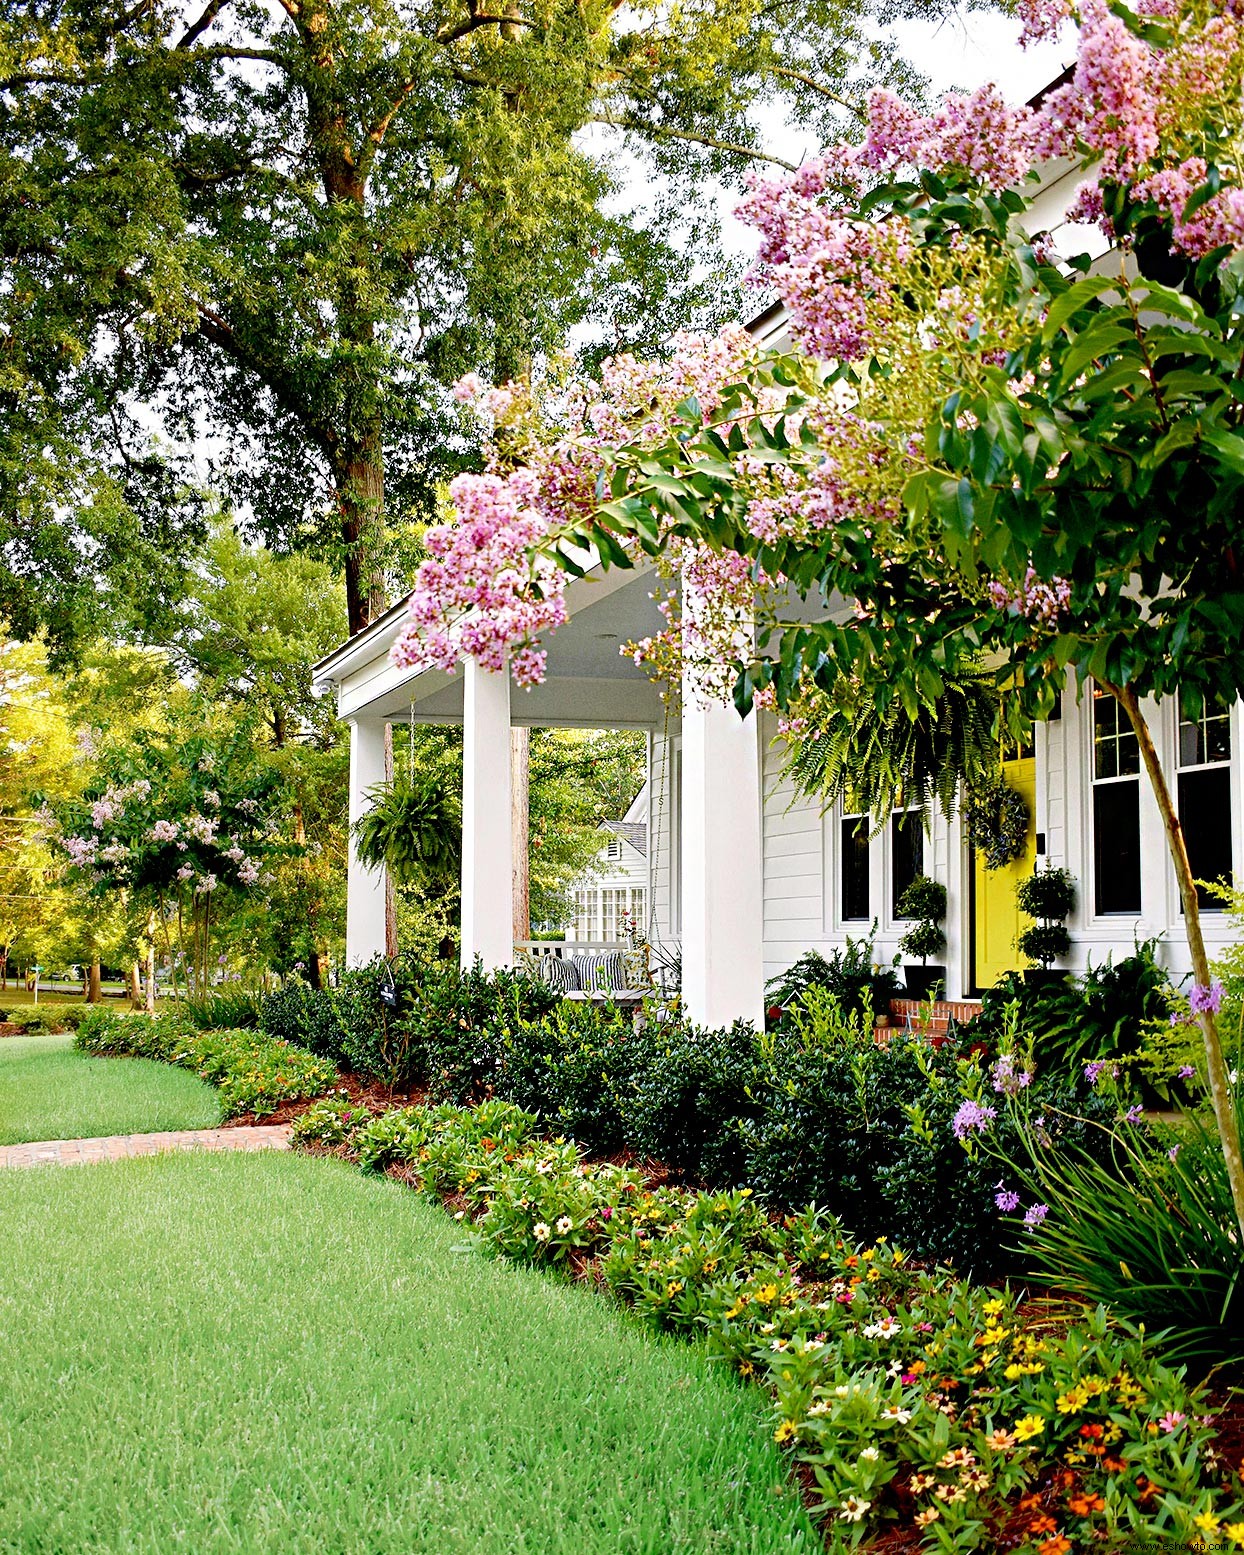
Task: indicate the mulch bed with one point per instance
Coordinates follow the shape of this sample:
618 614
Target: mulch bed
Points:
371 1094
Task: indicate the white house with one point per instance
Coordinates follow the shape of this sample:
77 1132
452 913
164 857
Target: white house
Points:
743 875
616 888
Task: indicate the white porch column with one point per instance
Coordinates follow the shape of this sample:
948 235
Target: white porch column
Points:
487 845
364 887
722 883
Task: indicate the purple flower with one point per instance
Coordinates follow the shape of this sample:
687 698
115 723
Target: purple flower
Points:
1006 1199
607 1212
1172 1420
1092 1072
1007 1079
1186 1073
972 1115
1173 1152
1134 1114
1036 1215
1205 1001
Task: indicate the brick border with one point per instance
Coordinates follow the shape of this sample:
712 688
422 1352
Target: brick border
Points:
122 1147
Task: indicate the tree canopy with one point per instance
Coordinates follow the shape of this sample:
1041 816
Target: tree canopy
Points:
284 230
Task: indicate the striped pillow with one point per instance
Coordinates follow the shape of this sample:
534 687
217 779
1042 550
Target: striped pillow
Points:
601 971
559 974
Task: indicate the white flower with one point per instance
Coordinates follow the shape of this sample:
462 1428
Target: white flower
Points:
541 1232
853 1509
893 1412
869 1455
565 1224
842 1391
885 1329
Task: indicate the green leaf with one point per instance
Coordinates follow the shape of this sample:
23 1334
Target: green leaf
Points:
1072 300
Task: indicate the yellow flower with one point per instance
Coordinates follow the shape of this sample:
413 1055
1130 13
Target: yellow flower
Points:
1206 1522
1072 1400
1235 1532
766 1294
991 1308
869 1252
1028 1427
785 1431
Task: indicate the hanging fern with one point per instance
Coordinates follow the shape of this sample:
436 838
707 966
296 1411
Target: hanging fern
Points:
415 831
876 759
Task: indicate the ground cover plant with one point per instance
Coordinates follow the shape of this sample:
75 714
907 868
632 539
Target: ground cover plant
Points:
50 1091
911 1396
252 1072
288 1356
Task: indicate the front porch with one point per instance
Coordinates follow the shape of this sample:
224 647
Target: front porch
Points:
705 889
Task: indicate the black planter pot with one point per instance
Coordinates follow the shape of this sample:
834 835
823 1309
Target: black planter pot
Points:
1044 977
922 980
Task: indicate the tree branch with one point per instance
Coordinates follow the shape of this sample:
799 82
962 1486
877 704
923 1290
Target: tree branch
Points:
664 132
197 29
805 80
452 34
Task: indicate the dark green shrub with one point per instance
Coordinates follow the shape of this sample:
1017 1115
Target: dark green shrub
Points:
692 1094
574 1066
1049 895
224 1011
319 1020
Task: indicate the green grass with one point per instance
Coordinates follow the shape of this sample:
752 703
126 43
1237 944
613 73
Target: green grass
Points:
265 1354
47 1091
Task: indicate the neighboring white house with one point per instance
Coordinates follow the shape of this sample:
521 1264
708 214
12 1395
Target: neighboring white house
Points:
615 889
742 875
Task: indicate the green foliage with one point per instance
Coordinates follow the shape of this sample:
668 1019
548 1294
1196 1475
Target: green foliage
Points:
253 1072
849 974
1146 1226
333 1120
1108 1012
691 1097
1044 942
223 1011
998 821
1047 894
869 755
575 1065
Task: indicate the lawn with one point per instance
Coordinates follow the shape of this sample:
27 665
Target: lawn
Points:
273 1353
47 1091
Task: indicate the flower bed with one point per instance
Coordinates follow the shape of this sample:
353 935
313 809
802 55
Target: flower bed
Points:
910 1397
254 1073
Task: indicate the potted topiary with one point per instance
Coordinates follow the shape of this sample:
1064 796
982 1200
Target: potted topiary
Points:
925 901
1049 896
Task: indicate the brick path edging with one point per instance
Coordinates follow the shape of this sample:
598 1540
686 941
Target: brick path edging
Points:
121 1147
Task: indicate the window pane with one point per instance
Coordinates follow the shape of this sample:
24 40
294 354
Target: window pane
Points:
906 853
1205 739
1115 749
1116 847
1205 811
855 868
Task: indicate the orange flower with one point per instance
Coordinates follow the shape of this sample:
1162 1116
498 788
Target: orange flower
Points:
1084 1506
1095 1431
1043 1524
1059 1545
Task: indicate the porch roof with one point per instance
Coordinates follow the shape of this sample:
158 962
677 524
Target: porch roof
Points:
589 682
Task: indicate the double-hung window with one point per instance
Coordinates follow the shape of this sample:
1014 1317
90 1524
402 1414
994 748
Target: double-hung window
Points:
1204 783
1116 809
906 852
853 851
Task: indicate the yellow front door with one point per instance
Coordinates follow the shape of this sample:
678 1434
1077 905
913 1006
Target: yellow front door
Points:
998 920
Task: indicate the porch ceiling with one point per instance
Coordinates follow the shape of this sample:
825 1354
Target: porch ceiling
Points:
589 684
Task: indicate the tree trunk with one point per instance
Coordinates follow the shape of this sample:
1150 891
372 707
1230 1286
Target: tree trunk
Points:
136 991
1216 1067
359 480
151 953
93 992
520 774
390 890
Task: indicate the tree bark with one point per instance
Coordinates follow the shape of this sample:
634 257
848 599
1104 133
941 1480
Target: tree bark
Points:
151 954
135 980
520 775
1216 1067
390 890
93 991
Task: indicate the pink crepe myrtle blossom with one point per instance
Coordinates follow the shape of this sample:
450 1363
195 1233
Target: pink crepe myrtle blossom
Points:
1036 598
164 831
248 872
205 884
81 850
201 828
186 872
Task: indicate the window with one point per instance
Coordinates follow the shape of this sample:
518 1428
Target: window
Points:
1116 809
906 852
853 867
1204 796
585 914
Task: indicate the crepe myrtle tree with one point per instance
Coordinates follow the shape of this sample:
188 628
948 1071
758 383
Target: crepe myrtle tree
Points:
183 828
993 450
